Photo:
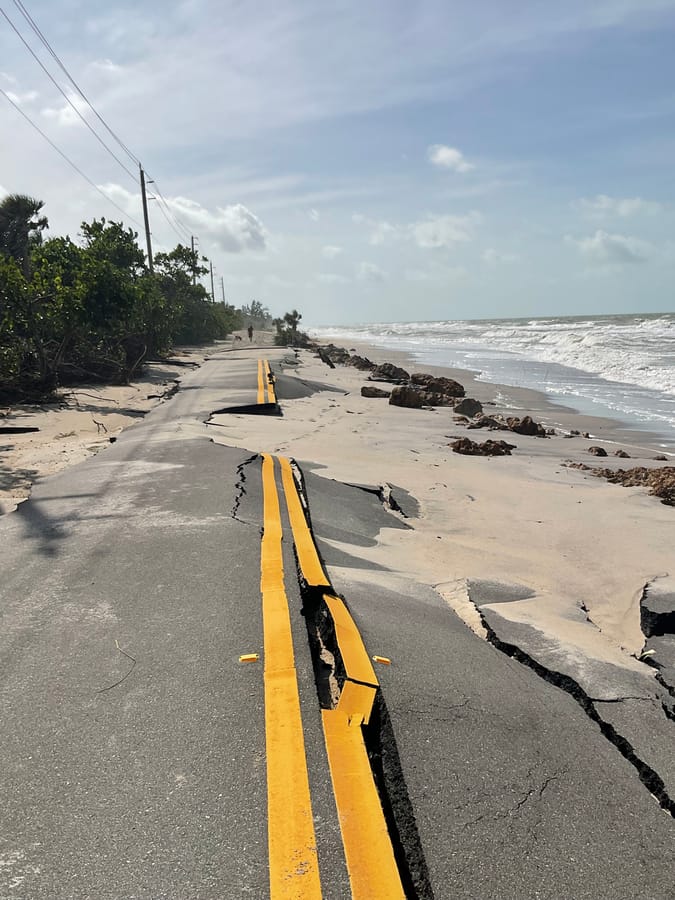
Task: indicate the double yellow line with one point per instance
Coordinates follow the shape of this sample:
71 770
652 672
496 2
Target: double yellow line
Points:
369 855
266 392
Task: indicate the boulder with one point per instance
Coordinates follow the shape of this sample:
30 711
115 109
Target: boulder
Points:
369 390
432 398
361 362
467 447
661 458
597 451
526 425
468 407
406 395
622 454
492 422
438 385
389 372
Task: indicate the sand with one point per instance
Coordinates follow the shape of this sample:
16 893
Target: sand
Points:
577 549
82 422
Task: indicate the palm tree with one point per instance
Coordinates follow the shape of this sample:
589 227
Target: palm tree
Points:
21 227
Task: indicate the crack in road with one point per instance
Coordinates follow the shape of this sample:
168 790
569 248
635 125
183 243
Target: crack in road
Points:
648 776
240 488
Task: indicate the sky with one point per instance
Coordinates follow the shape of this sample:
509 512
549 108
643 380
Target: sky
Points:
364 162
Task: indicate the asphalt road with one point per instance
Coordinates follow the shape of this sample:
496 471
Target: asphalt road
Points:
133 740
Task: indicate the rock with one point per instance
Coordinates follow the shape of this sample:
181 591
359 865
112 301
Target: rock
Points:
468 447
661 458
622 454
432 398
526 425
361 362
438 385
661 482
469 407
586 435
551 432
492 422
597 451
368 390
389 372
406 395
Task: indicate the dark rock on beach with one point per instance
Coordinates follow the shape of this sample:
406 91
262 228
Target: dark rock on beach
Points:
661 482
622 454
597 451
526 425
492 422
390 372
405 395
438 385
361 362
369 390
467 447
469 407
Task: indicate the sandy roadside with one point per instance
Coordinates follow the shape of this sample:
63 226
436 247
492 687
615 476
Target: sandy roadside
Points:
578 549
82 422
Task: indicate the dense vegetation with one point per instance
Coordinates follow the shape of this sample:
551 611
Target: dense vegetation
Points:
91 310
287 332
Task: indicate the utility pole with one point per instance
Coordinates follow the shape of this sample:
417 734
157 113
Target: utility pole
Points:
213 294
222 287
147 221
194 263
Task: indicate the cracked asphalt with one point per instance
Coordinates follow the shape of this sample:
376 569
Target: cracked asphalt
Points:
133 740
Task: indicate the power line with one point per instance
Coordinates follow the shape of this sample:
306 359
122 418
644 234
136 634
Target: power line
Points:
66 158
63 94
187 232
24 12
182 231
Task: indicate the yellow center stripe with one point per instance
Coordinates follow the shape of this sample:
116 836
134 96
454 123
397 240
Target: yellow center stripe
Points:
308 557
294 868
371 864
261 382
373 873
269 377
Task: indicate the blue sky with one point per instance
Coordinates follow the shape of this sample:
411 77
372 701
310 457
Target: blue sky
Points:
384 161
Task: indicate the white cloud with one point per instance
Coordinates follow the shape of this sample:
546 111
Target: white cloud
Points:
603 249
21 99
331 278
368 271
233 229
66 115
314 215
448 158
438 232
602 205
330 252
434 232
493 258
381 233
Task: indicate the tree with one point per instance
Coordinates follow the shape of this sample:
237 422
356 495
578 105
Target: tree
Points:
256 314
287 330
21 228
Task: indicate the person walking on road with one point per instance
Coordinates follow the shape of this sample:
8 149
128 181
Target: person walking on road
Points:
250 333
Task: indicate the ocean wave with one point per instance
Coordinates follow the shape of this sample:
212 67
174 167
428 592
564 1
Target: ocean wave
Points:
636 350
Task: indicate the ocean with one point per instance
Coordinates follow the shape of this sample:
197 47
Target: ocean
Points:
622 367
